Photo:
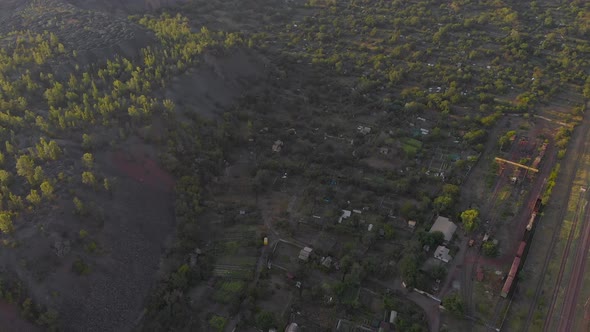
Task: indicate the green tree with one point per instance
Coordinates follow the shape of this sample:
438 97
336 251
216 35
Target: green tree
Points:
443 203
389 231
88 178
265 320
39 175
505 139
88 160
6 222
5 177
79 206
454 304
489 249
87 142
217 323
470 219
408 266
25 167
34 198
49 320
47 189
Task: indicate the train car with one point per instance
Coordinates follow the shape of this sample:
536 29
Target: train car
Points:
534 214
514 267
521 248
537 205
529 226
511 277
507 286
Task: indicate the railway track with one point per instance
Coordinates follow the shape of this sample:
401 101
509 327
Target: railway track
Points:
581 149
573 290
563 264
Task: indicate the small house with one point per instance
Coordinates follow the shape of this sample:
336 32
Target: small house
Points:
305 253
445 226
442 253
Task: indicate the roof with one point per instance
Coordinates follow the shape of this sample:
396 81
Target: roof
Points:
444 225
304 253
411 223
293 327
442 253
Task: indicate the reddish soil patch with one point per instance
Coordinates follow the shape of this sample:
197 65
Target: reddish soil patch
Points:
144 170
10 319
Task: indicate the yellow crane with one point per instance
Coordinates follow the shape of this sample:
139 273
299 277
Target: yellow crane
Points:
500 160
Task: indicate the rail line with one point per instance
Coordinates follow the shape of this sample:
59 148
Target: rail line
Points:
563 264
583 147
571 296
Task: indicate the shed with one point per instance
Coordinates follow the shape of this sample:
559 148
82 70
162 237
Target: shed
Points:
345 215
392 316
412 224
444 225
304 254
293 327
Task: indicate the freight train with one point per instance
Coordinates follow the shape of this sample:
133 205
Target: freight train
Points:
518 259
513 270
534 214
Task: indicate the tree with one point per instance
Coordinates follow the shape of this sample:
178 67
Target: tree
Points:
454 304
88 178
87 142
217 323
4 177
443 203
490 249
409 269
389 231
25 167
88 160
431 239
6 222
47 189
79 206
505 139
265 320
34 197
470 219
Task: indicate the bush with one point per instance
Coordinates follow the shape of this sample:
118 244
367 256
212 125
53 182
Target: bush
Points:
490 249
217 323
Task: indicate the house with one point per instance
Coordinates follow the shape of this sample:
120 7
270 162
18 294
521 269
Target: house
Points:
305 253
445 226
345 215
442 253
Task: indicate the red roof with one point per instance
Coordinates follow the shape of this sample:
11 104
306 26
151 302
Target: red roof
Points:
521 249
514 268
